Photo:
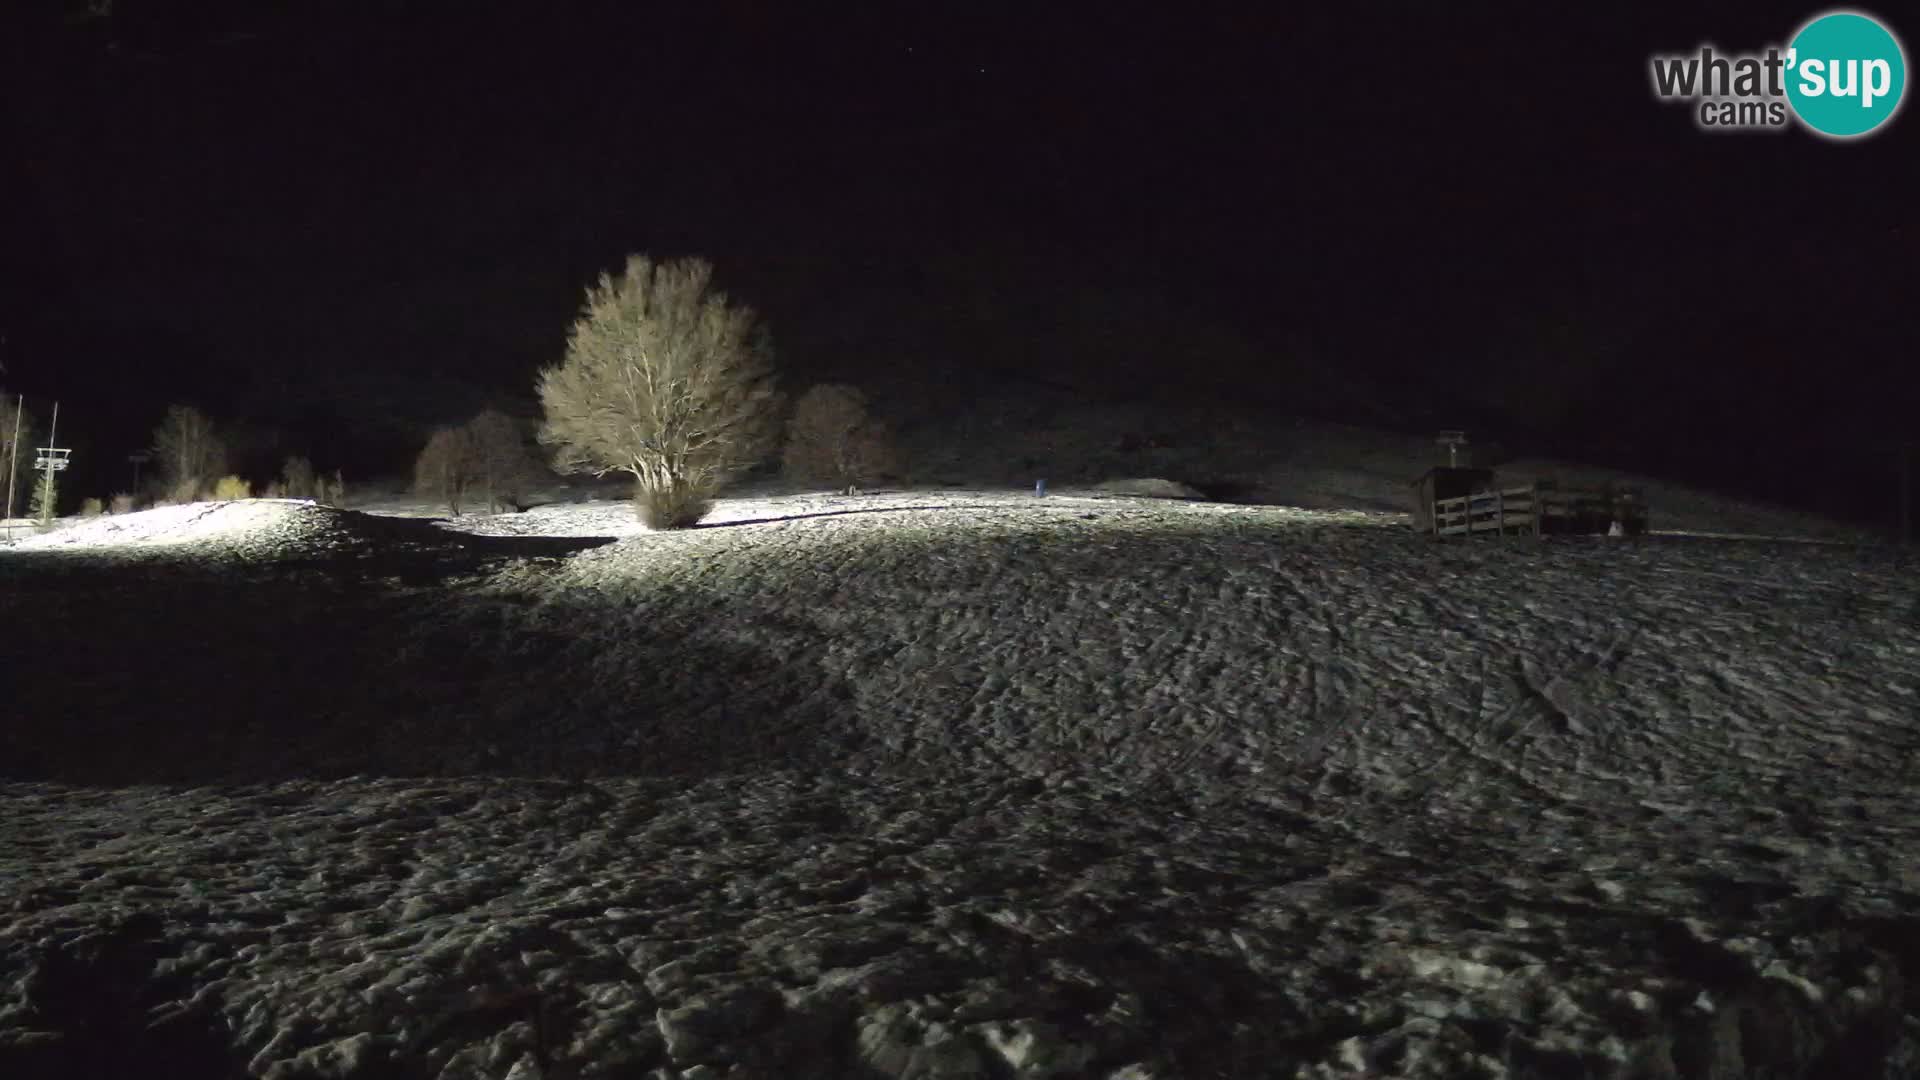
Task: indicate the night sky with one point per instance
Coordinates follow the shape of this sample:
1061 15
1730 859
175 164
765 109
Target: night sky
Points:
337 223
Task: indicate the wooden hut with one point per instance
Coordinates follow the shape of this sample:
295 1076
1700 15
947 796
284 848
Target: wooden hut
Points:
1444 482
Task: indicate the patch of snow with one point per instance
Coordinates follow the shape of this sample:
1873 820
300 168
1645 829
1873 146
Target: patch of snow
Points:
188 523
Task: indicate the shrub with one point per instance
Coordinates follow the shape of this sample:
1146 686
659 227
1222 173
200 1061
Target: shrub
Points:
187 453
675 506
296 479
92 508
124 503
665 379
230 487
445 467
831 439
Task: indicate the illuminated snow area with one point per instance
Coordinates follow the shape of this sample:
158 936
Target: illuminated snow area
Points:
954 784
261 523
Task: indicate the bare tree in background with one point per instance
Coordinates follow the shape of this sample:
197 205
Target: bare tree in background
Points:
296 478
188 452
445 469
832 439
504 465
665 379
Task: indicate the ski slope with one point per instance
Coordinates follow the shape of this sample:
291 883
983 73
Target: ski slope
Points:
954 784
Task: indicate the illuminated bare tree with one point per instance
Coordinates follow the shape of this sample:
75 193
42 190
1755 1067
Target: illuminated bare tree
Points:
665 379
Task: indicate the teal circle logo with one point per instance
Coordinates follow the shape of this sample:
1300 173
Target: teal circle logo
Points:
1846 74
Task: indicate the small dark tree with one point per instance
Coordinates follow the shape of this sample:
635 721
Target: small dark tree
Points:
665 379
188 452
504 466
445 468
832 439
296 478
46 495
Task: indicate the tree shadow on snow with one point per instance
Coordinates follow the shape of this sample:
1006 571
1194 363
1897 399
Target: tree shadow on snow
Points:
374 663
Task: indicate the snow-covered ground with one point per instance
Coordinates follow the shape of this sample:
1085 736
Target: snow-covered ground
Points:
952 784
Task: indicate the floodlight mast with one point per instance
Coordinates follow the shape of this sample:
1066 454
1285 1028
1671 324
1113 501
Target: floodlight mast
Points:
13 453
53 440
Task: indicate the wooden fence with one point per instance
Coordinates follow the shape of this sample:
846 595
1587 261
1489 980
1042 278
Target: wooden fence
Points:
1539 509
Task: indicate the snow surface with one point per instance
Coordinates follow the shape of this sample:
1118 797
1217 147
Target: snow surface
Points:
952 784
264 523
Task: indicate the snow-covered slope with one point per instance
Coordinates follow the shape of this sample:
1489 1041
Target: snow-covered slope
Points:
955 784
266 526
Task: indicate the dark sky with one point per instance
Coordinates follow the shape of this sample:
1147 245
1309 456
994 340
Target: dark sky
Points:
336 218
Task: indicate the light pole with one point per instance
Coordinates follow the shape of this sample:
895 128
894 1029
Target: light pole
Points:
13 452
52 459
